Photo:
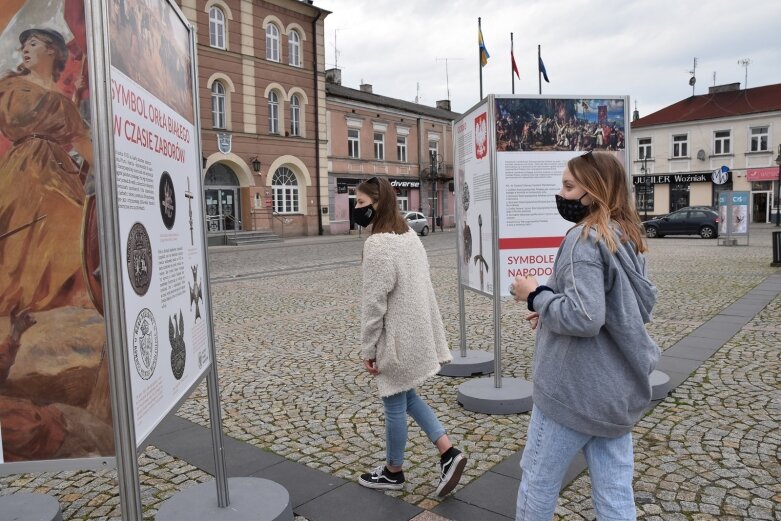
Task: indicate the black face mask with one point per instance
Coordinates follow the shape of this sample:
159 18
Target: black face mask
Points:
363 216
571 209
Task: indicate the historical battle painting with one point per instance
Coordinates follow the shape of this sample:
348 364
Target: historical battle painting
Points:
149 45
54 391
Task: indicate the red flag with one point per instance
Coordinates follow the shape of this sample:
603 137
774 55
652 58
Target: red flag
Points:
515 67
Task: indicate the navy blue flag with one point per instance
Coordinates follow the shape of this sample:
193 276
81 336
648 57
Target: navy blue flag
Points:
542 70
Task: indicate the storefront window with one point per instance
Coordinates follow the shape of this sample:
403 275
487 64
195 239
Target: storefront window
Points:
679 196
726 187
402 196
644 197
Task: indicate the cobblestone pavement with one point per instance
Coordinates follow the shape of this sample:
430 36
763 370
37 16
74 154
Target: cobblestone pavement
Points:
287 330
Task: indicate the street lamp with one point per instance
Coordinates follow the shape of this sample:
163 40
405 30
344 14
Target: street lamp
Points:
778 189
646 182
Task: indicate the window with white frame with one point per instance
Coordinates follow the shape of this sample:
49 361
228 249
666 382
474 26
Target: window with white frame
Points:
379 146
272 42
295 115
216 28
681 145
401 148
294 45
354 143
759 139
721 141
284 186
273 113
433 148
644 149
402 198
218 105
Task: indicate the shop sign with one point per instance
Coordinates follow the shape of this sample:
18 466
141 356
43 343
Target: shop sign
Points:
673 178
404 183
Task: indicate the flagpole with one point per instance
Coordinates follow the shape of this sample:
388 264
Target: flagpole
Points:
539 71
512 72
480 58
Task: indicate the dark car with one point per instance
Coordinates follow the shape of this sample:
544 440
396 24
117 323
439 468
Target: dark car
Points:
704 223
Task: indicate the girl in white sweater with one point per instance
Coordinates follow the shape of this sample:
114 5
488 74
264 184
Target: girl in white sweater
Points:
402 336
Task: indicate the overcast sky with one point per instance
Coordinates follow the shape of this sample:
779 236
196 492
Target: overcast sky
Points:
640 48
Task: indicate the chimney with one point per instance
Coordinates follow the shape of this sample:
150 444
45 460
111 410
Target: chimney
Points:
443 104
333 76
366 87
724 88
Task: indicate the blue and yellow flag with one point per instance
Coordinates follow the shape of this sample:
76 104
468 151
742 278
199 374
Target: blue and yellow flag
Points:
483 51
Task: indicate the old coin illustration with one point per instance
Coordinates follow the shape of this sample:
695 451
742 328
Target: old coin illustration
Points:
139 259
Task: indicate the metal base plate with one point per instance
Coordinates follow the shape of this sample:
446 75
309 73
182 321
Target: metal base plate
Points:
660 385
473 364
481 395
24 506
251 499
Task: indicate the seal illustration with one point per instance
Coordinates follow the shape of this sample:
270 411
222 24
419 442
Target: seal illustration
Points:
145 344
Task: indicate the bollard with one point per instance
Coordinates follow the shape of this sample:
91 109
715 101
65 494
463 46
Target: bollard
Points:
776 249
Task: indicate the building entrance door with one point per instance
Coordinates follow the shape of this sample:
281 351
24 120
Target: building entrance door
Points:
222 199
221 209
760 207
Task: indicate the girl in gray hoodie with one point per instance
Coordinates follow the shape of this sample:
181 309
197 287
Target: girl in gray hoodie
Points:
593 357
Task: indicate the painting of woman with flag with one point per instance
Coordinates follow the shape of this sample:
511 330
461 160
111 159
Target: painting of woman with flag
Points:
54 389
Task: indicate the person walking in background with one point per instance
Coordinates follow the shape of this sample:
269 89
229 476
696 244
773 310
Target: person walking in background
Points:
593 356
402 336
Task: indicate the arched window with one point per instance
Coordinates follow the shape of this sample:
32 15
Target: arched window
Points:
294 41
218 105
295 116
273 113
216 28
272 42
284 187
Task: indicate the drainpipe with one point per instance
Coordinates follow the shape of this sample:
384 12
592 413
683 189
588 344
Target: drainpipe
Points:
317 124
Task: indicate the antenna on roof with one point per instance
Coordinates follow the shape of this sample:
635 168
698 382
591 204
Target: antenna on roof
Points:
693 79
447 78
714 78
417 92
745 63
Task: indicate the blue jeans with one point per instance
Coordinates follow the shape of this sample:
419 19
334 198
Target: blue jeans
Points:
550 448
397 407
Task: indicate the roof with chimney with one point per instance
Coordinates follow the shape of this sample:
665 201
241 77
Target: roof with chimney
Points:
721 101
339 91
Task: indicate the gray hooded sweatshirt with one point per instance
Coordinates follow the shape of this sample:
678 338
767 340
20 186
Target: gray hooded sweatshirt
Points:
593 356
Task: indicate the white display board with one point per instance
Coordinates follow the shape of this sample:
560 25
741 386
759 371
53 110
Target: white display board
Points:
734 214
474 201
159 204
535 138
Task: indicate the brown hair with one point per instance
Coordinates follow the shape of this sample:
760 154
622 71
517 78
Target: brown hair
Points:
604 179
388 217
54 41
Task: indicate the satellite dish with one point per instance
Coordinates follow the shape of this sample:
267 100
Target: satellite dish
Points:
701 155
692 81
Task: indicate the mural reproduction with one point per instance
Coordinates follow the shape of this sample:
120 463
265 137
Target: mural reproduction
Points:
54 394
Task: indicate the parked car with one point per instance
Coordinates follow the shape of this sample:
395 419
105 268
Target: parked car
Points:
417 221
712 209
704 223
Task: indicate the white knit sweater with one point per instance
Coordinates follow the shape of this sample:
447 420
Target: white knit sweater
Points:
401 325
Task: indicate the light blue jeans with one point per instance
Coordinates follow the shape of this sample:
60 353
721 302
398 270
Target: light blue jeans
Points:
550 448
397 407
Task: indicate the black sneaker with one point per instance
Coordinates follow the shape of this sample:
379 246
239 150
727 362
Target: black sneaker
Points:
451 466
382 478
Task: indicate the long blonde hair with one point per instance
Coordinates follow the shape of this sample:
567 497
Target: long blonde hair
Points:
605 181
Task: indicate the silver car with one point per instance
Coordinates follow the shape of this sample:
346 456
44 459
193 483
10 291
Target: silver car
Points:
417 221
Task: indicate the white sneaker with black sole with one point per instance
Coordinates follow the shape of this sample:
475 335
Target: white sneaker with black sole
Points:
382 478
451 466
